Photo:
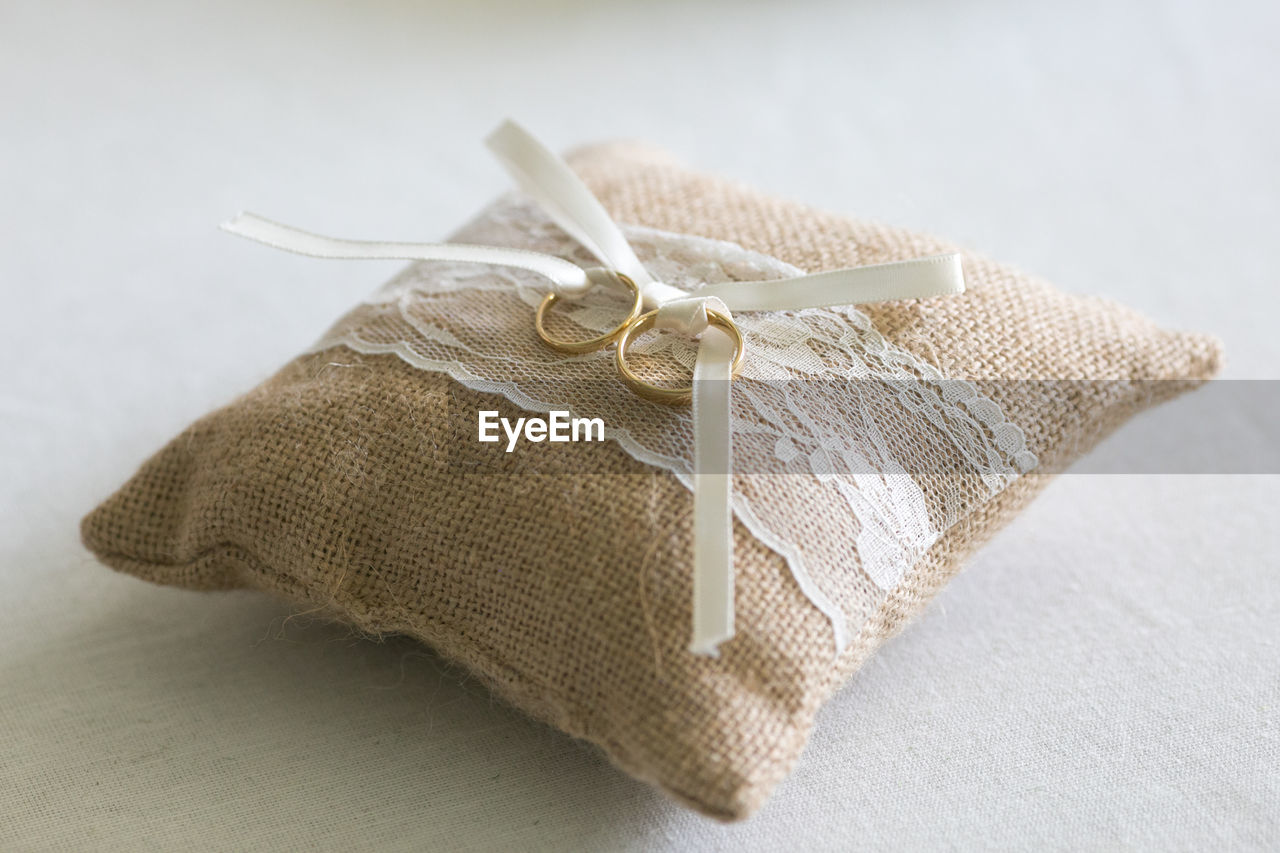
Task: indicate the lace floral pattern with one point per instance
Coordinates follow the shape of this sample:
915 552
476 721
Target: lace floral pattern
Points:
839 436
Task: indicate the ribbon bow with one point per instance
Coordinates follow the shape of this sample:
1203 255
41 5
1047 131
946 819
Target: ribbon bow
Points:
706 314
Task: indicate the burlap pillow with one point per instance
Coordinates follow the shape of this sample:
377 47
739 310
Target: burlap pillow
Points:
340 483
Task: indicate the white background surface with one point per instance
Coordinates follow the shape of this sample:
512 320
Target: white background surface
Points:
1104 674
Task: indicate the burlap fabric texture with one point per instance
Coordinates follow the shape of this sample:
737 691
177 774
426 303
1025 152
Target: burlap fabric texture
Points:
332 484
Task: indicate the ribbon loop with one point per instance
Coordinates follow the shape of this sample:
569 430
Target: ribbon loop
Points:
561 193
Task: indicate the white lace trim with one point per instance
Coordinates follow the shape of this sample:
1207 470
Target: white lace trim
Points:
813 471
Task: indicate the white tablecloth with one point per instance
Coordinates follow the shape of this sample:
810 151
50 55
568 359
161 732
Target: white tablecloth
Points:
1106 673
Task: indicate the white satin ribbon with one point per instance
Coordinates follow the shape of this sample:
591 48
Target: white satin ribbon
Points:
571 205
712 495
568 279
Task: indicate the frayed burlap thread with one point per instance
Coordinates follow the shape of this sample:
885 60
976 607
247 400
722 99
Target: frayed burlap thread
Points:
336 483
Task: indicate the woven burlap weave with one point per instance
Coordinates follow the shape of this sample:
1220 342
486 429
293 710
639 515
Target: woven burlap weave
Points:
337 484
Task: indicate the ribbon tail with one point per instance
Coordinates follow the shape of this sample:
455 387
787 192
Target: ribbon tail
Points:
564 197
920 278
568 278
712 495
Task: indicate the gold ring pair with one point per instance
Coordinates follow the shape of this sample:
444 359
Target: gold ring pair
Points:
626 332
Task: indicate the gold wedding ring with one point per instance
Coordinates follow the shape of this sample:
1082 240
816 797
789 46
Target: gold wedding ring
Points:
594 343
657 393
